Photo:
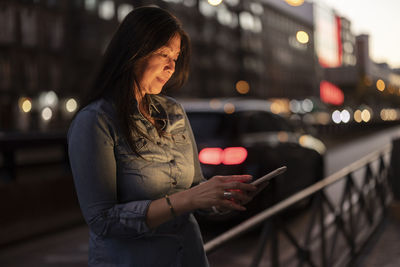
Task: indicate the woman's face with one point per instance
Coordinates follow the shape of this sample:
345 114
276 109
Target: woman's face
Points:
156 69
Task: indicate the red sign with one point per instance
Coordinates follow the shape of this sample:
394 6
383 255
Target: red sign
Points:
330 93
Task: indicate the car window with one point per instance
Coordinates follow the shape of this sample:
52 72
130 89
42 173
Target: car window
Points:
207 125
257 121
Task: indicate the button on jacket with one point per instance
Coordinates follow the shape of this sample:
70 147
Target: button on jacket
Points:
115 186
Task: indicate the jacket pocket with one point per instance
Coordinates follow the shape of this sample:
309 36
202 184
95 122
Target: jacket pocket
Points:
180 138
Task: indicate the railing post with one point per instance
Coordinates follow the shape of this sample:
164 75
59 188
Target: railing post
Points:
394 176
322 231
274 244
262 241
351 217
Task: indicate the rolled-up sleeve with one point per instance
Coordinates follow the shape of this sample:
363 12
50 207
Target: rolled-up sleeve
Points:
93 164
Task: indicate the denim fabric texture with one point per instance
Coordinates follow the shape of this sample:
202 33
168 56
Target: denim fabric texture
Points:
115 186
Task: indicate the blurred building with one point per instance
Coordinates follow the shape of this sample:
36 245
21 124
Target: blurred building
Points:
32 58
49 50
289 53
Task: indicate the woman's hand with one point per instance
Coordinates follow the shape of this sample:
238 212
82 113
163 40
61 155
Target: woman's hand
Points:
211 192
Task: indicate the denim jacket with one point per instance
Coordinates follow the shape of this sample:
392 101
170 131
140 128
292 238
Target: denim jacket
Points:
115 186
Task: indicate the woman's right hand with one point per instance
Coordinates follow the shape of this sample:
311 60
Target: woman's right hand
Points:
211 192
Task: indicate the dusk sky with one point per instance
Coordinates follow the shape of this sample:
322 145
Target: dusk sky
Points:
378 18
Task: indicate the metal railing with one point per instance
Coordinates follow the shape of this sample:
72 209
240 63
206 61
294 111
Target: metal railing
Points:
336 229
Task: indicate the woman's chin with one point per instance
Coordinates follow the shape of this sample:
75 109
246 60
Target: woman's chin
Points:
155 91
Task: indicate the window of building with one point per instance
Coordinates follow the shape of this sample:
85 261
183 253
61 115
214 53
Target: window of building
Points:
28 26
5 74
54 76
31 75
123 10
107 10
7 25
56 33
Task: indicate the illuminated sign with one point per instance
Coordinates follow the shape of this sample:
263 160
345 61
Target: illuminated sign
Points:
327 32
330 93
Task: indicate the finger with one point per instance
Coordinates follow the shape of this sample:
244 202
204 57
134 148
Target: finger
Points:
239 185
239 197
239 178
231 205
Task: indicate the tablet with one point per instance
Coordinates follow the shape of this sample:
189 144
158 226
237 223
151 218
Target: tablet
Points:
269 176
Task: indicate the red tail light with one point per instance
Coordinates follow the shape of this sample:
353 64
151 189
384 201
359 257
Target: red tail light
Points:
228 156
211 155
234 155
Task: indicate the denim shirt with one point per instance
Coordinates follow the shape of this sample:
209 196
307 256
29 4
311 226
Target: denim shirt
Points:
115 186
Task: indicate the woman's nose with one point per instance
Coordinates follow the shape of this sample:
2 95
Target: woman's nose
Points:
170 66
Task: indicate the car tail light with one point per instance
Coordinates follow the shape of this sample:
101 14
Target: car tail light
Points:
211 155
234 155
228 156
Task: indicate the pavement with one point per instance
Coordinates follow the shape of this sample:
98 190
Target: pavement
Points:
383 249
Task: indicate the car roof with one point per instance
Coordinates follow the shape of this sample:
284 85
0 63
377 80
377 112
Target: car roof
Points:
218 104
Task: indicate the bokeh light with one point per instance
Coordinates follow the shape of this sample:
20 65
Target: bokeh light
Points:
336 117
214 2
307 105
25 104
345 116
302 37
366 115
229 108
294 106
242 87
71 105
357 116
215 103
295 2
47 113
380 84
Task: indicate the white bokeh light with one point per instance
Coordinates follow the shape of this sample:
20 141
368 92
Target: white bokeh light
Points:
336 118
71 105
307 105
47 113
345 116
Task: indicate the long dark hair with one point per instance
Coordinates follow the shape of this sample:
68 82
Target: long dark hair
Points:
143 31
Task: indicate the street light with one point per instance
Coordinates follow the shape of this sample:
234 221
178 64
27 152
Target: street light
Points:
214 2
295 2
302 37
380 85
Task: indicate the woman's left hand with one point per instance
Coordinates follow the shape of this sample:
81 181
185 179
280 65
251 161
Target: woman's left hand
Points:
227 192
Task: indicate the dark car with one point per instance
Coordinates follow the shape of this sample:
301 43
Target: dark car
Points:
236 136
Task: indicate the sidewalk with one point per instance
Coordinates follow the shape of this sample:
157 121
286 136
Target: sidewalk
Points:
383 250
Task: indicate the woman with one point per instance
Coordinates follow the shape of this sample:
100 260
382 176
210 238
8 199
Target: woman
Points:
133 156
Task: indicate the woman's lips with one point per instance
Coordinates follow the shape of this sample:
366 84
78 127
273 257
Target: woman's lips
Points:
161 80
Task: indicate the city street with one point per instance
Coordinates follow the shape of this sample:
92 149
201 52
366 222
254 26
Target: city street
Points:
141 98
